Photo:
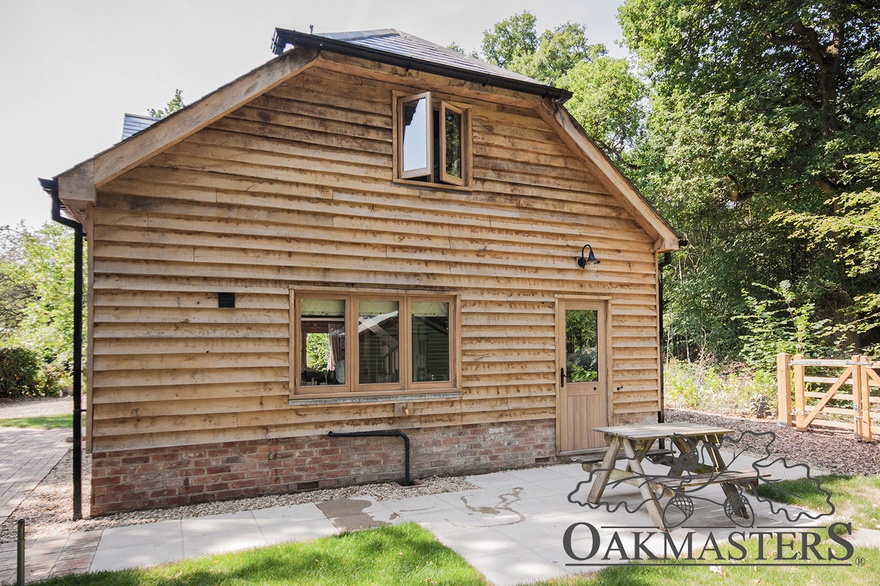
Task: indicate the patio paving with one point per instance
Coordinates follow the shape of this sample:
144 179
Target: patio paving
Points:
26 457
510 528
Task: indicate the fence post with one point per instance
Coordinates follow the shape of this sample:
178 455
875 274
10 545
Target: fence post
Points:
800 399
19 562
864 384
783 377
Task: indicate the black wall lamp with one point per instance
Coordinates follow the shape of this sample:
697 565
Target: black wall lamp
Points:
590 262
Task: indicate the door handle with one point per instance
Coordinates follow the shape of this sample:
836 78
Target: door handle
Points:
562 377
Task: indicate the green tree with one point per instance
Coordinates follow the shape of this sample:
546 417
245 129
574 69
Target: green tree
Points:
608 97
608 102
510 39
40 262
751 125
175 104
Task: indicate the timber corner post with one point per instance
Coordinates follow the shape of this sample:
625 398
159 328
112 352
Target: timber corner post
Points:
783 378
800 387
864 388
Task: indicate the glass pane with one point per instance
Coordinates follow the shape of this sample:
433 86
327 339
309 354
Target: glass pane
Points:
322 324
415 135
581 346
379 341
430 341
453 143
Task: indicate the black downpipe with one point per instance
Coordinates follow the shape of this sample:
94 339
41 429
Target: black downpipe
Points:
51 187
400 434
667 260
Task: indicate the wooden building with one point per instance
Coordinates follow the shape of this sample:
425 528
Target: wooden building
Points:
368 233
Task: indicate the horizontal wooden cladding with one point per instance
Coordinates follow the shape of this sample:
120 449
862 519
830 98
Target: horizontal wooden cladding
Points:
391 273
174 346
294 189
183 235
182 315
201 361
360 196
187 376
188 299
189 330
273 411
198 247
206 433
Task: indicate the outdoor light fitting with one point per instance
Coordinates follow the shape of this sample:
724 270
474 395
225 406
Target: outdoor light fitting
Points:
590 262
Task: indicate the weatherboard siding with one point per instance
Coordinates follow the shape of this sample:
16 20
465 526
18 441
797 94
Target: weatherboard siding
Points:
295 188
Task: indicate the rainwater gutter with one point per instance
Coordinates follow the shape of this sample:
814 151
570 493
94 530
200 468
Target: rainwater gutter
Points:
406 480
50 186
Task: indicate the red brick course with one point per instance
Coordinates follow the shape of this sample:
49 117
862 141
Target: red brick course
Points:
163 477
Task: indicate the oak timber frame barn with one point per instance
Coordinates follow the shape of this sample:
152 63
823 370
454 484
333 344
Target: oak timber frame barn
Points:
415 215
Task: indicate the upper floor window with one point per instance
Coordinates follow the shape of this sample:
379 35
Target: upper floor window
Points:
432 141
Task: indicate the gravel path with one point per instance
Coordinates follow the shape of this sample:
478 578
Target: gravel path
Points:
48 509
35 407
828 449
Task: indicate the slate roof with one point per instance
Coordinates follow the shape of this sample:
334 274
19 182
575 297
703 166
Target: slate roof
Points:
134 123
403 49
400 43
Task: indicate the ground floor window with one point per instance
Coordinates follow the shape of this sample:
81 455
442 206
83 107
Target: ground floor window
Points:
367 343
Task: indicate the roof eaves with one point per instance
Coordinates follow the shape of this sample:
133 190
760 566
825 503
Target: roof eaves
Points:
284 37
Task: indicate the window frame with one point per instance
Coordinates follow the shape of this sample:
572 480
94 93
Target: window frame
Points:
445 177
429 146
352 387
436 147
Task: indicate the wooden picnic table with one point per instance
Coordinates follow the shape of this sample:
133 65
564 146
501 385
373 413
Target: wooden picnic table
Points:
635 443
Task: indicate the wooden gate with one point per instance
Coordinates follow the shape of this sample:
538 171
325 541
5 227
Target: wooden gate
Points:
858 377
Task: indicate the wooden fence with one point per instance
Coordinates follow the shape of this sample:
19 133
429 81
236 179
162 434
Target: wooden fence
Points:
847 394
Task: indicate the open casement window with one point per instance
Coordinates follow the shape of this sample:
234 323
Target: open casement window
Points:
432 141
371 343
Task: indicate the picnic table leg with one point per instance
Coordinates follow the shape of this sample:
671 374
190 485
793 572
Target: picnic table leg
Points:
729 488
651 502
600 478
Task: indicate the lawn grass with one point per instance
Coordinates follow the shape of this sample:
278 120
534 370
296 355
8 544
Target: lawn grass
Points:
42 422
855 498
392 555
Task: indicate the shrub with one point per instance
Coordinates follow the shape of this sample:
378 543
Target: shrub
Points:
705 386
23 373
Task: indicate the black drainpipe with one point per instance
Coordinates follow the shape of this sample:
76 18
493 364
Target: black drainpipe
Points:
400 434
667 260
50 186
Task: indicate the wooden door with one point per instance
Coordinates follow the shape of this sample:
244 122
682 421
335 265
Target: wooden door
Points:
582 375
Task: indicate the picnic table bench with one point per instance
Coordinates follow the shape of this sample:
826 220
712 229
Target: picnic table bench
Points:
633 444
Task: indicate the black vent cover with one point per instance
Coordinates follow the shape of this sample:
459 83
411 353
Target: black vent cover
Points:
225 299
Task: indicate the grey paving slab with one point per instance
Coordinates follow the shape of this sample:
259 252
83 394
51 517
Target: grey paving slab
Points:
246 537
511 528
134 556
300 530
26 457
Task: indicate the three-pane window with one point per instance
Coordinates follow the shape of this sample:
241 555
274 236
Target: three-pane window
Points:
369 343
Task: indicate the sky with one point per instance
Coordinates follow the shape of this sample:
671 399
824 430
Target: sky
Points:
70 69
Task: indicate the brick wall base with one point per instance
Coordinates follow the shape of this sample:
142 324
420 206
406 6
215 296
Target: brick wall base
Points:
164 477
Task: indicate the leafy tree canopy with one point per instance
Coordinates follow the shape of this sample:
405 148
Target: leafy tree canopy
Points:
763 117
39 264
